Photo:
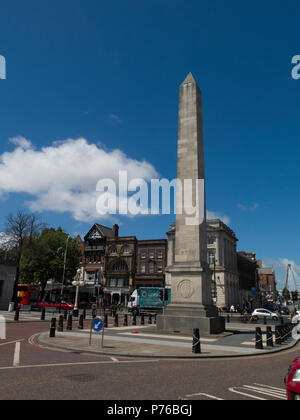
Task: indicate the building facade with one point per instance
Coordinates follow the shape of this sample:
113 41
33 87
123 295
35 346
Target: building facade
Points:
247 268
222 259
266 281
119 269
151 263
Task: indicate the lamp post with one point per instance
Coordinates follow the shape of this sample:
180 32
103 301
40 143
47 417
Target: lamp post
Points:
214 288
77 283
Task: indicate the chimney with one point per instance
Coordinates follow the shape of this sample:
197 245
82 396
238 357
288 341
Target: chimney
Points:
115 231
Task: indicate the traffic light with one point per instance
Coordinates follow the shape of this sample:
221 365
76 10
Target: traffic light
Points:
161 294
166 294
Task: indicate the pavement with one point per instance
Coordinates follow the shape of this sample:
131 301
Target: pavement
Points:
146 341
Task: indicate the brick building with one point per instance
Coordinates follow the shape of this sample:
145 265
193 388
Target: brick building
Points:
151 263
266 281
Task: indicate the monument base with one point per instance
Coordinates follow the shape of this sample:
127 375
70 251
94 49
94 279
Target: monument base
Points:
186 318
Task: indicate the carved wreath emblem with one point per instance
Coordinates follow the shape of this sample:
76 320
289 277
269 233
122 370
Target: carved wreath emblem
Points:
185 289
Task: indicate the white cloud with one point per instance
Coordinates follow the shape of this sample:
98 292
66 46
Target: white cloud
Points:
21 141
63 176
248 207
213 215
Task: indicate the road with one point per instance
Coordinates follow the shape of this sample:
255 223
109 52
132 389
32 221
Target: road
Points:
29 371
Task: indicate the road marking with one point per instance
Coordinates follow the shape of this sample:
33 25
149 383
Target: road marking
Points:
77 364
114 359
212 397
266 390
16 361
234 390
12 342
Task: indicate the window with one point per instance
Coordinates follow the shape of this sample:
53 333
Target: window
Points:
113 250
159 253
211 240
159 267
211 257
143 254
126 250
151 254
151 267
143 268
120 266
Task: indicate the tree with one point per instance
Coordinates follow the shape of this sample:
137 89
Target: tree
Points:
20 229
43 258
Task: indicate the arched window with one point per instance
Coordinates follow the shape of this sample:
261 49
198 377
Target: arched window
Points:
126 249
113 250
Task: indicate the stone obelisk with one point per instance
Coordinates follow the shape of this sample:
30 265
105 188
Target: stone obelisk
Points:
191 303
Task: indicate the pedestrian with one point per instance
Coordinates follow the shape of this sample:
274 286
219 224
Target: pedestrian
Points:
232 309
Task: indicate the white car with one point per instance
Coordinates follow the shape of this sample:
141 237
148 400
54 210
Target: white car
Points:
296 319
265 313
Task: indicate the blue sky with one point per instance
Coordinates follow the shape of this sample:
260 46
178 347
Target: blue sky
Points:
108 72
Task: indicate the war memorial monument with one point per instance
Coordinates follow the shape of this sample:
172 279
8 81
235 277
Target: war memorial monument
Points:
191 303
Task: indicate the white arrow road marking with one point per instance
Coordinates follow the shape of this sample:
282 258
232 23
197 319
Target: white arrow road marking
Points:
235 391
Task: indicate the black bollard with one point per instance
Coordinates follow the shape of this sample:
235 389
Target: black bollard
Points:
134 319
155 319
142 319
125 320
105 321
84 313
52 328
43 314
70 323
52 332
80 322
258 339
116 320
60 324
65 314
150 320
196 341
270 337
17 314
75 313
228 319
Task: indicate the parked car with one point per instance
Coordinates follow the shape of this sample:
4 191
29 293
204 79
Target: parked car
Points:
62 305
284 310
265 313
292 381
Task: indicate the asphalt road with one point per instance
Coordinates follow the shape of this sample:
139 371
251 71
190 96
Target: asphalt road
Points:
29 371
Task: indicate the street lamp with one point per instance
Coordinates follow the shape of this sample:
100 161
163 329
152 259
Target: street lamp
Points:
78 281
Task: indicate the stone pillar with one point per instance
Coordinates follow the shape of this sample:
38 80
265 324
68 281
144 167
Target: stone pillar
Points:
191 304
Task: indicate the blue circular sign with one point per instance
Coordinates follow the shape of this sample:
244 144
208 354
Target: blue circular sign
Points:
97 324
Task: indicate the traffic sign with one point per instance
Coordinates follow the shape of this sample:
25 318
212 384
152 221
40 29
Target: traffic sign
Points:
97 325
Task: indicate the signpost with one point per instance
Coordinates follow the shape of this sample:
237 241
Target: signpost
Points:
97 326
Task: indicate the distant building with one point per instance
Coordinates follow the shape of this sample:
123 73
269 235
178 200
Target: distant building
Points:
248 278
266 281
222 259
119 268
151 263
92 249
